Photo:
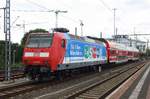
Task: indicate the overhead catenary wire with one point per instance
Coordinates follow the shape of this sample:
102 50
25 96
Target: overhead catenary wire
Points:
106 6
28 11
48 10
45 11
36 23
111 10
65 5
38 5
24 24
71 19
32 10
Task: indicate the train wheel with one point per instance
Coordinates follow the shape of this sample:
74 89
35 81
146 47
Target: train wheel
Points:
59 75
39 78
99 68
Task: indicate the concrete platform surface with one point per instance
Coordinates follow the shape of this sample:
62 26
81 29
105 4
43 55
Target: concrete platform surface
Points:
136 87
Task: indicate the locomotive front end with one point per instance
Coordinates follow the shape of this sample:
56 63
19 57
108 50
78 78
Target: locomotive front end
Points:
36 57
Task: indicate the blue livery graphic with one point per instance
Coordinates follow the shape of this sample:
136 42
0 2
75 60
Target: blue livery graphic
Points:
80 51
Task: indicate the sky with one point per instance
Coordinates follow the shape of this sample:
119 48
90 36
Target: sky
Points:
96 15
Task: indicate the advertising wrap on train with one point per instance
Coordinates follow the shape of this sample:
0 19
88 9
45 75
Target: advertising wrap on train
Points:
78 51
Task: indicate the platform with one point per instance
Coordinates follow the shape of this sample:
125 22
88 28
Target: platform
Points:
136 87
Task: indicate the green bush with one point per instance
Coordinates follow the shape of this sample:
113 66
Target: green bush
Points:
16 50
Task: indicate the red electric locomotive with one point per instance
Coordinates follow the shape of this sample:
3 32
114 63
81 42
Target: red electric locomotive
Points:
41 56
47 54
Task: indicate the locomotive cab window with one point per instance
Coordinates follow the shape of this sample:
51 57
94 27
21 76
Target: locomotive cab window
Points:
39 40
63 45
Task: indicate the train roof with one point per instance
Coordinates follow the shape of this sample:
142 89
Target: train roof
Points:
84 39
115 45
120 46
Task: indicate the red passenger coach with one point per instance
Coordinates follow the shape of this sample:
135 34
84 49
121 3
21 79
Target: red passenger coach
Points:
119 53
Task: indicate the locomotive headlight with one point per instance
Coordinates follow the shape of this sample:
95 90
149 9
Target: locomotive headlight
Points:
36 54
44 54
28 54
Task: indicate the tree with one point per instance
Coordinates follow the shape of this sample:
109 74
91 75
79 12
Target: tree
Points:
38 30
14 47
148 52
2 53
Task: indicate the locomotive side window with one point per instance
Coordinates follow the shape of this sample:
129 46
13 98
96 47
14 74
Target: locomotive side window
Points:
63 43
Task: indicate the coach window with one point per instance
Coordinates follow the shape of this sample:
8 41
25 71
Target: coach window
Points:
63 43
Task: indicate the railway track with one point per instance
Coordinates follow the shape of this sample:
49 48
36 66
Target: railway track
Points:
72 91
14 91
101 89
15 74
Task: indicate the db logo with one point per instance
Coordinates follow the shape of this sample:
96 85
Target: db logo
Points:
36 54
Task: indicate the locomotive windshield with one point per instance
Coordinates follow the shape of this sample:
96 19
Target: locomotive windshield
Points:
39 40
